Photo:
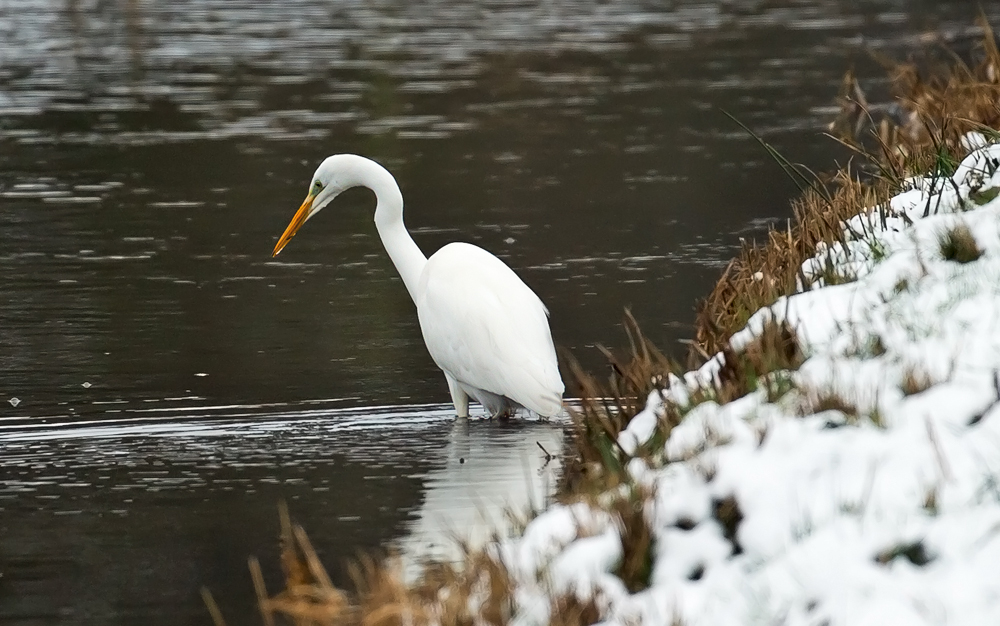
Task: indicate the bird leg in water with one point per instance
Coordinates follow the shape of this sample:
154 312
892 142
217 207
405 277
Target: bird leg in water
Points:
458 397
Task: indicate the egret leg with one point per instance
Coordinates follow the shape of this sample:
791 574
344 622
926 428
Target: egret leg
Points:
458 397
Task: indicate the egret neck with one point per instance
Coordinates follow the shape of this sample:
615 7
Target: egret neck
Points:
403 251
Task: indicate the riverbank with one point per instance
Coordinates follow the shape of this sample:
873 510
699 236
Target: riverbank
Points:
856 483
832 460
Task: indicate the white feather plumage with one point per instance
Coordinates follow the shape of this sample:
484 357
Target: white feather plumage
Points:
487 329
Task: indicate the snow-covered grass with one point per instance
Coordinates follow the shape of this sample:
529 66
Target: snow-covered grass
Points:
868 492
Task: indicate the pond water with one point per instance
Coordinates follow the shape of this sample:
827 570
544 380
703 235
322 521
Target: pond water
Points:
173 382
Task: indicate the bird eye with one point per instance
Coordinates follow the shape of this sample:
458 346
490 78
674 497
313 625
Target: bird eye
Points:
317 187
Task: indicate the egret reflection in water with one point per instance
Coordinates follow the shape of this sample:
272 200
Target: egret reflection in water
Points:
493 475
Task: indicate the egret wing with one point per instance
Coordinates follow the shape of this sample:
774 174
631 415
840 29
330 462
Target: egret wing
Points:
487 328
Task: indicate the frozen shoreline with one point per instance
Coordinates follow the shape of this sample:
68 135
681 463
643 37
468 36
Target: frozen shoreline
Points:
869 491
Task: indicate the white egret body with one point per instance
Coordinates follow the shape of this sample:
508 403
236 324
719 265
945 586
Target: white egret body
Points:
485 329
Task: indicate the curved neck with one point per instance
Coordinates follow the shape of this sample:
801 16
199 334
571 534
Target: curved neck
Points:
403 251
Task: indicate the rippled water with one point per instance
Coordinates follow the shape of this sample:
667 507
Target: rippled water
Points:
151 153
123 519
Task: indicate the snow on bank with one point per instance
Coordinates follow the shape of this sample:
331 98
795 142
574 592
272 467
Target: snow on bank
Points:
883 510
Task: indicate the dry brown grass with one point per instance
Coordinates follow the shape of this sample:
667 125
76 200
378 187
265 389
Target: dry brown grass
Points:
828 400
763 273
595 461
854 410
383 595
569 610
479 591
915 380
939 104
628 510
309 596
728 514
775 349
959 244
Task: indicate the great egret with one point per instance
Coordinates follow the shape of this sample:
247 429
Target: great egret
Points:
485 329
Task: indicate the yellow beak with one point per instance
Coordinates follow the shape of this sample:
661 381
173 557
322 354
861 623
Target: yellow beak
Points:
297 221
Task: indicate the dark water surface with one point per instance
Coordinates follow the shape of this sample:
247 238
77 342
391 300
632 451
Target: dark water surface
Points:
173 382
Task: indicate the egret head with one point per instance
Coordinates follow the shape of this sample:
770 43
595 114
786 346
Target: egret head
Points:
333 176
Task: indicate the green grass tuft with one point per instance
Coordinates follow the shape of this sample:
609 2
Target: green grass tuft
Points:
984 196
